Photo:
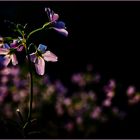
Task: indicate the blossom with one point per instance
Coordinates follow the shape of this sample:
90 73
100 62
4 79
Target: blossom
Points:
59 26
16 44
9 55
40 56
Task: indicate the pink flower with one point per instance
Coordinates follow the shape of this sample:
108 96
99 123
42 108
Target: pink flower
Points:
9 55
40 56
59 26
15 44
131 91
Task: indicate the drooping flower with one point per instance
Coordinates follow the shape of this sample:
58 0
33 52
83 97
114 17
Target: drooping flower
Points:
40 56
59 26
9 55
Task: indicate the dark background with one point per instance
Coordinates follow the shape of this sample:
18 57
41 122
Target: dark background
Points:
105 34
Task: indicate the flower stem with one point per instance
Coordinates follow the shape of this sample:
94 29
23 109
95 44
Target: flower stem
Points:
39 29
31 89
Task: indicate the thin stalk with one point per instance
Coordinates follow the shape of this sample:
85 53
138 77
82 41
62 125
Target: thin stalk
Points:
31 89
39 29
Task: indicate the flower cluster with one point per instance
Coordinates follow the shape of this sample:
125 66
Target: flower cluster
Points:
81 111
9 49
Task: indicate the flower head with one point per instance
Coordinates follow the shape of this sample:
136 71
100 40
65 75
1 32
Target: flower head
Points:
40 56
59 26
9 55
16 44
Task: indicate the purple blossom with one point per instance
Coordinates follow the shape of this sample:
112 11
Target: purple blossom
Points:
57 25
130 91
107 102
15 44
96 113
9 55
40 56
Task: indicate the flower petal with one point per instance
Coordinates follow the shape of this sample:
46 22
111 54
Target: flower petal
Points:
33 57
61 31
7 60
14 44
55 17
40 66
52 16
14 59
3 51
20 48
60 25
42 48
6 46
49 56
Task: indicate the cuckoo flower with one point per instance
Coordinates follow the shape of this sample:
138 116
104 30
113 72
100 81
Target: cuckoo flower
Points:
40 56
59 26
9 55
16 44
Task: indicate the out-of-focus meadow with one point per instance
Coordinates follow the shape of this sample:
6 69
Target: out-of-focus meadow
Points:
93 89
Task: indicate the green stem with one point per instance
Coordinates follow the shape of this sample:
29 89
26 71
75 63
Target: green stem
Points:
31 89
39 29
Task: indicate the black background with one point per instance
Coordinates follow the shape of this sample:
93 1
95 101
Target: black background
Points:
105 34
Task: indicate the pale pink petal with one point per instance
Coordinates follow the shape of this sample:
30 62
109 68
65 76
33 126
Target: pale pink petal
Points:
55 17
33 57
62 31
7 59
40 65
20 48
49 56
4 51
14 59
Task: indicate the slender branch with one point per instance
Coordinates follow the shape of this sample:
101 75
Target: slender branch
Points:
31 89
39 29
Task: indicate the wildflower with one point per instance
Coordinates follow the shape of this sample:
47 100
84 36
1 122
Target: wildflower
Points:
40 56
16 45
9 55
131 91
107 102
59 26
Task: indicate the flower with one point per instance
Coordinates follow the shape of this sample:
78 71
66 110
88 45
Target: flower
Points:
40 56
9 55
16 45
59 26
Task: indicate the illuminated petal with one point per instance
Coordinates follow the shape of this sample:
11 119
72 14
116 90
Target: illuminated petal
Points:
55 17
14 59
7 59
52 16
14 44
20 48
4 51
61 31
40 66
6 46
42 48
33 57
49 56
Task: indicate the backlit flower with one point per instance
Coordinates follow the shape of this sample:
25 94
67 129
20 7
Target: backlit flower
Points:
40 56
59 26
9 55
